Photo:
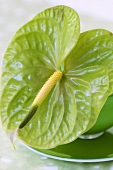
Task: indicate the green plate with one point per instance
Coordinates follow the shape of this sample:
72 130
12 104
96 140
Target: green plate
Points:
83 150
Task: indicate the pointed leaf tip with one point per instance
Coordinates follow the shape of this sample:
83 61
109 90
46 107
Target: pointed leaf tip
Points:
12 137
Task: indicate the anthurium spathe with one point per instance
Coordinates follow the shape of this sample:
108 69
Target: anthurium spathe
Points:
55 80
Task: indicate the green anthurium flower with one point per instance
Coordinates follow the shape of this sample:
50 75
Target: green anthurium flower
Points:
55 80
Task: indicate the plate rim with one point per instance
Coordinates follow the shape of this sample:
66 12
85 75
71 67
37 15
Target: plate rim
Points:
67 159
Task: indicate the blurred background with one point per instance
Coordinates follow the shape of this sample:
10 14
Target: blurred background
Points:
13 14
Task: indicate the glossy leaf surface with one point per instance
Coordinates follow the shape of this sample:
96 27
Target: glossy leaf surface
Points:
47 43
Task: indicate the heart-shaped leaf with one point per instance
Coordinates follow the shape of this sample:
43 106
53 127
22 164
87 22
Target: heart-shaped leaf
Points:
97 49
54 83
52 22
